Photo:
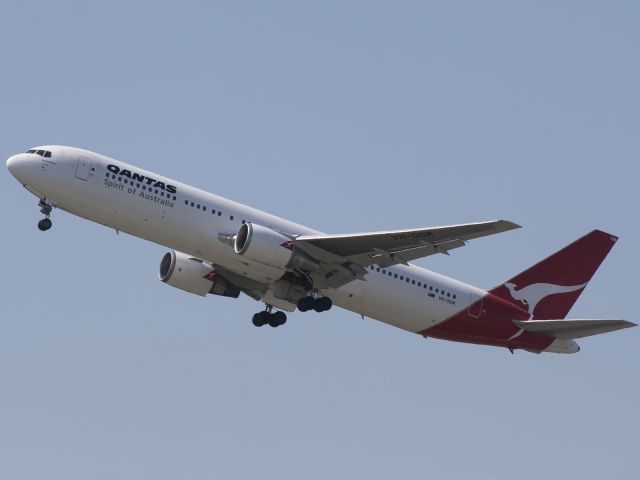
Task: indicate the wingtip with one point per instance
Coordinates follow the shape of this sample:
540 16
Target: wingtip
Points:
508 225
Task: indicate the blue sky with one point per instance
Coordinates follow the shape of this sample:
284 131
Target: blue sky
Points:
347 117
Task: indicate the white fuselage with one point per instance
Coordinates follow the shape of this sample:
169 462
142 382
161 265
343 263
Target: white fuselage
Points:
189 220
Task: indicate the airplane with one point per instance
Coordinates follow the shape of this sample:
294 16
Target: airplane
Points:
224 248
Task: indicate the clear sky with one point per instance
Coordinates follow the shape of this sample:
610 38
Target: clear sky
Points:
347 117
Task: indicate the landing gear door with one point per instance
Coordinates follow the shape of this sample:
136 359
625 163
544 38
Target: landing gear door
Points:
83 168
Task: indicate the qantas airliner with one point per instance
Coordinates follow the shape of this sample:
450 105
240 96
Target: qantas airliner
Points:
225 248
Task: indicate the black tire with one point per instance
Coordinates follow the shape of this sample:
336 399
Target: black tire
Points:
279 317
44 224
323 304
273 323
305 304
260 319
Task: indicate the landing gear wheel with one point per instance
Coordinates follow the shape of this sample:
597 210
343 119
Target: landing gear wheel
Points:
277 319
261 318
306 303
265 317
323 304
44 224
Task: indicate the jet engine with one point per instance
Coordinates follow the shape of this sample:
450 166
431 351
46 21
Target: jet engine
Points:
193 275
266 246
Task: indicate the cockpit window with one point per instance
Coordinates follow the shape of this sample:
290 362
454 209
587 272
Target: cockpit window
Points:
42 153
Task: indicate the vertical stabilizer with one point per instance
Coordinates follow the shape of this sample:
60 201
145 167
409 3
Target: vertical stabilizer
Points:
549 289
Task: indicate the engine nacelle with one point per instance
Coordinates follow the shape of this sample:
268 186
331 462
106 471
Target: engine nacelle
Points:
266 246
193 275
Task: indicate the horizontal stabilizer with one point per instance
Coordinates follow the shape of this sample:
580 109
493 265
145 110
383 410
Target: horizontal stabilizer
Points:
567 329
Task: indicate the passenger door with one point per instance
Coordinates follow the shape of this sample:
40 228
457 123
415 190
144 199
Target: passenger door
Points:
83 168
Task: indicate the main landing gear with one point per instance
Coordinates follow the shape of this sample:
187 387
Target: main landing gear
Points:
45 208
319 304
275 319
267 317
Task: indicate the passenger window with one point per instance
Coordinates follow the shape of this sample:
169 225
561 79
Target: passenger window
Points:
230 217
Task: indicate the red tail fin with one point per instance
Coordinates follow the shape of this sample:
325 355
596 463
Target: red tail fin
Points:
549 289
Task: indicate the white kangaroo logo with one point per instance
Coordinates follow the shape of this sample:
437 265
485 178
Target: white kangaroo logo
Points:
532 294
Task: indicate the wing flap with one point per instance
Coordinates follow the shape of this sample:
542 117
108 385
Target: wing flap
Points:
569 329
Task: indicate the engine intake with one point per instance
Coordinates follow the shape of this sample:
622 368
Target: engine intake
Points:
194 276
266 246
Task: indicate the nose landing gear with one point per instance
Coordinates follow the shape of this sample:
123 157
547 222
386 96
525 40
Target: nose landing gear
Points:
44 224
45 208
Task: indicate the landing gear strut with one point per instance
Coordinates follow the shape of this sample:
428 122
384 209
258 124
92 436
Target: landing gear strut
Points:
267 317
45 208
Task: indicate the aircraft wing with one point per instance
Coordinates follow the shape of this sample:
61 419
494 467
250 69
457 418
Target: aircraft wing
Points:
345 257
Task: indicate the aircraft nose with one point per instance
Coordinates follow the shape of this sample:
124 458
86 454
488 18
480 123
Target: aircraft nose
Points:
13 164
17 165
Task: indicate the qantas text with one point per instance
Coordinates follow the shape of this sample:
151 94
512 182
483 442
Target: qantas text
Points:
141 178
